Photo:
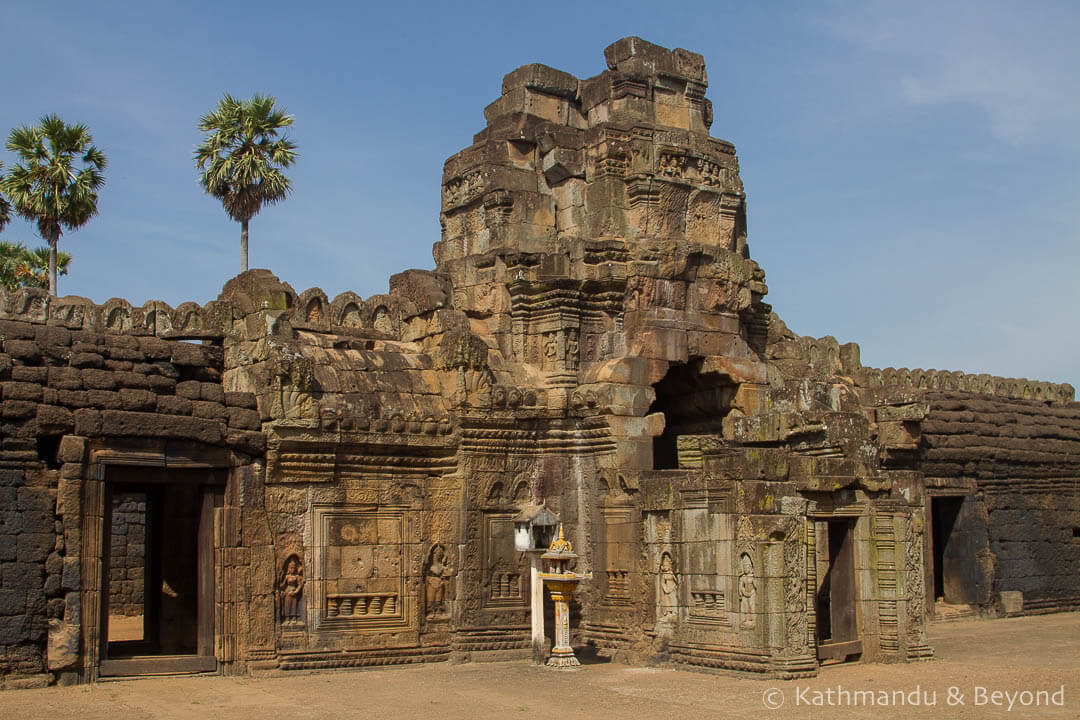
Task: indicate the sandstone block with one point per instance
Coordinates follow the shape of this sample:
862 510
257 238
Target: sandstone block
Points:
190 389
120 423
241 400
65 378
246 441
72 449
16 409
73 398
63 646
154 348
33 547
204 409
21 391
25 350
211 392
184 353
97 379
132 380
125 354
173 405
104 399
54 420
161 385
243 419
87 422
133 399
30 374
14 330
50 335
86 360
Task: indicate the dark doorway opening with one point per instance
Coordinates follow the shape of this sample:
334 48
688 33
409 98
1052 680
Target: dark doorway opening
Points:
693 403
158 571
837 613
943 513
959 540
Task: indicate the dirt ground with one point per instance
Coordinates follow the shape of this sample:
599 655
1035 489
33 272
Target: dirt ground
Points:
975 658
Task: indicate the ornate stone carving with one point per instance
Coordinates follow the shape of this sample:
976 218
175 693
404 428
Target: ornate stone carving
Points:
668 584
291 590
438 587
795 588
747 592
360 555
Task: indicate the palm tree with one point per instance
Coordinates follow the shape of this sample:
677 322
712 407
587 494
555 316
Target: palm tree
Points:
20 267
242 158
56 182
5 206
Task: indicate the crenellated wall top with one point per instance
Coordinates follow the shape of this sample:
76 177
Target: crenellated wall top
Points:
380 315
983 384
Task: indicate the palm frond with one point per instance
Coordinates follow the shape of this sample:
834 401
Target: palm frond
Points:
55 183
242 156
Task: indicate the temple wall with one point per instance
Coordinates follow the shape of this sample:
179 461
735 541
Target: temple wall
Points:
336 481
75 392
1017 462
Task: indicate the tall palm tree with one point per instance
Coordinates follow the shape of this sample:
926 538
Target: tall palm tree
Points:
57 181
5 206
242 158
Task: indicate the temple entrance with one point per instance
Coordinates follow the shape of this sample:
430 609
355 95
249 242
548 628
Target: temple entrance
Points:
158 571
837 617
943 513
958 540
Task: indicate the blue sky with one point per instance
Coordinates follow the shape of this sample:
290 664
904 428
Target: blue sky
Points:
912 169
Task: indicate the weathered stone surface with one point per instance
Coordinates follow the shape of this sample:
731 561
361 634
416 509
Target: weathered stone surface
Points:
593 339
173 405
54 420
119 423
28 374
189 389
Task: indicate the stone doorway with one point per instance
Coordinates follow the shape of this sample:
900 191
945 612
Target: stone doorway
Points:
837 612
944 512
957 576
157 599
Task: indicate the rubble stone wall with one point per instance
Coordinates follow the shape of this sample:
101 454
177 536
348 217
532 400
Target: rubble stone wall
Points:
69 381
127 555
1021 458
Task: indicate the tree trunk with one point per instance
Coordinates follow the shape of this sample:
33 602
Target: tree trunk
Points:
52 264
243 245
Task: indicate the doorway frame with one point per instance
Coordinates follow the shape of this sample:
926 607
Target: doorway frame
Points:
210 487
219 466
929 549
847 646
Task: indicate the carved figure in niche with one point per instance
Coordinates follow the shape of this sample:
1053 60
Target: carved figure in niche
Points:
439 573
747 591
669 589
572 352
291 589
551 349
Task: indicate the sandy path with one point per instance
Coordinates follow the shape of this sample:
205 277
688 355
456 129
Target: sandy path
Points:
1035 653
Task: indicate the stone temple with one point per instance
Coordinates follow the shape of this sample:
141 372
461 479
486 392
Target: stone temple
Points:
277 480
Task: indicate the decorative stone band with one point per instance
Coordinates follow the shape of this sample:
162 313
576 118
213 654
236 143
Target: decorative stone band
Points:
361 604
1017 388
189 320
379 316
